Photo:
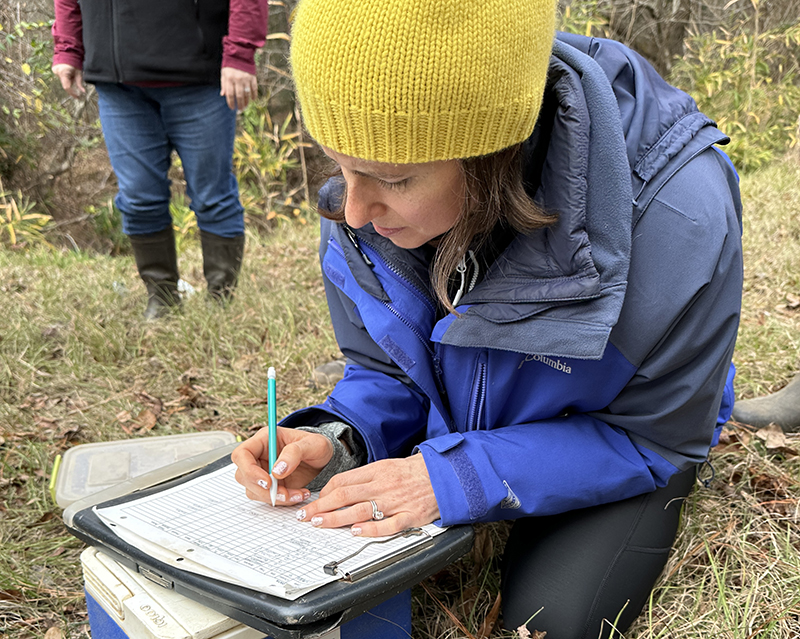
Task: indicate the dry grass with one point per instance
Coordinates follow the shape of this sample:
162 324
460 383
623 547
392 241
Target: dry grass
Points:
77 365
769 338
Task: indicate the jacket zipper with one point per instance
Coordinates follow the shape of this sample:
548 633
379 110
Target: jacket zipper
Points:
115 42
200 32
474 418
391 308
424 340
394 270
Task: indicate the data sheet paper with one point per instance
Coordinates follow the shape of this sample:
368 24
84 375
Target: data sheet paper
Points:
207 525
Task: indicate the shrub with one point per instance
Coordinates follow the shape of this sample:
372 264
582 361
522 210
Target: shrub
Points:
584 18
748 82
107 224
20 223
268 163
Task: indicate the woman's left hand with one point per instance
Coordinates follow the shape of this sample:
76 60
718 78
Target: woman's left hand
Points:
400 488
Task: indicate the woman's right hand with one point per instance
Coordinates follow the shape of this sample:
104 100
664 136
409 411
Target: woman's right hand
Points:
301 455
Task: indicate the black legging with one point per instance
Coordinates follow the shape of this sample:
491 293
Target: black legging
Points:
581 567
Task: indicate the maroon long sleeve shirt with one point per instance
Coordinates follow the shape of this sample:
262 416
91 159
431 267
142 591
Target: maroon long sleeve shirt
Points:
247 31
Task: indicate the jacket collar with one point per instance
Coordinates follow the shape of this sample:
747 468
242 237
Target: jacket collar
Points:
558 291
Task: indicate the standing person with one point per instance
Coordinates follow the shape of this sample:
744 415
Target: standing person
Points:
532 260
168 77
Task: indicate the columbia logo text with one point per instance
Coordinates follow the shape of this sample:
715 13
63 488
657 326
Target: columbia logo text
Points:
547 361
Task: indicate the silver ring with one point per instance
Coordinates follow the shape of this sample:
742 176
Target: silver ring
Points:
377 515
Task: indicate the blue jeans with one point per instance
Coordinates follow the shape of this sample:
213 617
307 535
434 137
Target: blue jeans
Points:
142 126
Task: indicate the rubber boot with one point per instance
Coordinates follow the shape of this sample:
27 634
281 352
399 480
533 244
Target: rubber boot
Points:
157 263
781 408
222 261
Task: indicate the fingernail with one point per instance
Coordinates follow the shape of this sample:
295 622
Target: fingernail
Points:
316 521
306 494
296 497
263 484
280 497
355 531
279 468
301 514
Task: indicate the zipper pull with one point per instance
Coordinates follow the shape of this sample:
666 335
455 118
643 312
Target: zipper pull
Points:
351 234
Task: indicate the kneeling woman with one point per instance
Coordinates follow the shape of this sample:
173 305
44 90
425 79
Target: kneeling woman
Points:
532 261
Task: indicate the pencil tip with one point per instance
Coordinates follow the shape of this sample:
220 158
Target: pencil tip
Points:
273 489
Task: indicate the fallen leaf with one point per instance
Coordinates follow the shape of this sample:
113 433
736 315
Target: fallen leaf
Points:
36 402
70 433
12 594
146 420
124 416
53 633
43 422
491 619
482 548
193 396
772 436
43 519
770 493
154 403
523 632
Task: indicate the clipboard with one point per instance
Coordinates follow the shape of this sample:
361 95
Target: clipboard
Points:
312 614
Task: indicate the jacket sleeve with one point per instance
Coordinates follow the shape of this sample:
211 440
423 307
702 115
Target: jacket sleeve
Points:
247 31
678 329
68 34
398 409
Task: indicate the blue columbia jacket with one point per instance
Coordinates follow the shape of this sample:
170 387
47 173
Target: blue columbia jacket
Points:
590 362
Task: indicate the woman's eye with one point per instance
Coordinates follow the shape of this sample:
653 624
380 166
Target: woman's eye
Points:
393 185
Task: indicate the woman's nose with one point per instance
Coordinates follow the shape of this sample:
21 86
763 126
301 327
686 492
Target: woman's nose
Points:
361 206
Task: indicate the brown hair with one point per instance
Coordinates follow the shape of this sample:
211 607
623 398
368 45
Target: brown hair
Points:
494 192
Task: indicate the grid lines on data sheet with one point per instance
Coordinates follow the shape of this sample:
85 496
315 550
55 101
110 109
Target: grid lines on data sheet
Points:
216 516
211 518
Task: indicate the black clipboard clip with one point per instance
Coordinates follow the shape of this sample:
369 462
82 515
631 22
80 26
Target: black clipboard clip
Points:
332 568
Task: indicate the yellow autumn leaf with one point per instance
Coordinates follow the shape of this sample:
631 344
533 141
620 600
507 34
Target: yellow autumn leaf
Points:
26 68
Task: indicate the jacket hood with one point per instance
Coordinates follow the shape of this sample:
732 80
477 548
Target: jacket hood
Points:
608 124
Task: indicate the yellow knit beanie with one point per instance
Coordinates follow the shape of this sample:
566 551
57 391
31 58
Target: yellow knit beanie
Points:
412 81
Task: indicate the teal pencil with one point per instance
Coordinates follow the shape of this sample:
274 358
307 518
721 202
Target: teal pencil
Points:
272 413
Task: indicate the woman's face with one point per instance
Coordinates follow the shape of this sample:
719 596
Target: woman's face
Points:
410 204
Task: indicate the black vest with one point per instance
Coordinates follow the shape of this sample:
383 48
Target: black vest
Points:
132 41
